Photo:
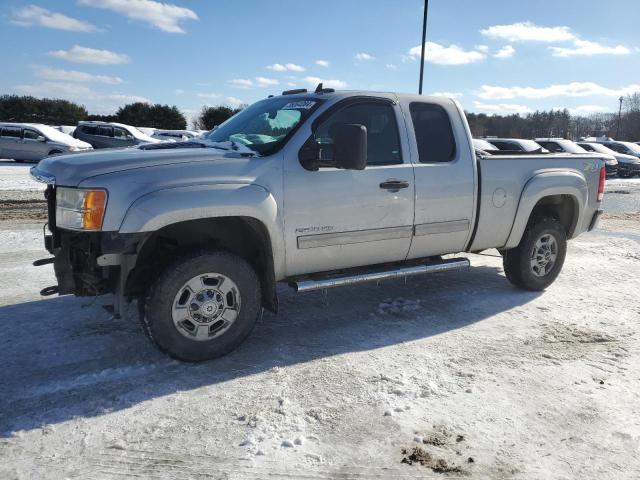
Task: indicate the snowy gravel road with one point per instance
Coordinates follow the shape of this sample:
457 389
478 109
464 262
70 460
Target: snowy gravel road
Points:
489 381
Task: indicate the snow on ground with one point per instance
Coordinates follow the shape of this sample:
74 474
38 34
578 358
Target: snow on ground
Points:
489 381
15 176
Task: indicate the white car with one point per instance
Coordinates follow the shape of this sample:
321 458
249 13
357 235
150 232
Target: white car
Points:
628 165
33 142
176 135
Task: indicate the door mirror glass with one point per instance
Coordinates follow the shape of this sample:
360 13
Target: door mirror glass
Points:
41 138
350 146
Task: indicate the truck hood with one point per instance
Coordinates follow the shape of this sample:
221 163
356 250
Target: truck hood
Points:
70 170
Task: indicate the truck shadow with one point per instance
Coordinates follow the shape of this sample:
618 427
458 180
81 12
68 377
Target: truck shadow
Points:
60 359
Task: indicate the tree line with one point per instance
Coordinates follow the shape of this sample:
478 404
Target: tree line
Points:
560 123
28 109
553 123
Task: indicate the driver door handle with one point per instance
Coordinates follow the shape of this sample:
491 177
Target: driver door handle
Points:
394 184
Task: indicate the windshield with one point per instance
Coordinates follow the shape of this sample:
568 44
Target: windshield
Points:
531 146
571 147
631 146
483 144
266 125
598 147
55 135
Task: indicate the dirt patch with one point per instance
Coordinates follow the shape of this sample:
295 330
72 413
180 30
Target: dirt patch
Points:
23 209
573 334
420 456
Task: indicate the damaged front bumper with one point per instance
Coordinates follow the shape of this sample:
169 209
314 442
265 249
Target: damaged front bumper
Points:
89 263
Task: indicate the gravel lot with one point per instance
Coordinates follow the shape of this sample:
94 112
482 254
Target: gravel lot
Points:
446 376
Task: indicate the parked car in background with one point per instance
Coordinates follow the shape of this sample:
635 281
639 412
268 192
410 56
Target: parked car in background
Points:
176 135
628 165
111 135
483 146
562 145
517 145
628 148
68 129
32 142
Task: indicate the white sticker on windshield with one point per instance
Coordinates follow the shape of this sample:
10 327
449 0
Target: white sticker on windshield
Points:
305 105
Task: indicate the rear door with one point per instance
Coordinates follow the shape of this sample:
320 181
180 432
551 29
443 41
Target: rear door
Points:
445 176
338 218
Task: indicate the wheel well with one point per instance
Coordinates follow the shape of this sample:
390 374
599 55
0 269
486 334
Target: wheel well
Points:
243 236
561 207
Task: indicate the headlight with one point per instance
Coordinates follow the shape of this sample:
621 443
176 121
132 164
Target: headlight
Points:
73 148
78 209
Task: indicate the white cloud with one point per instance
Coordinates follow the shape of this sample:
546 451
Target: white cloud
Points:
585 109
505 52
451 55
528 32
314 81
33 15
77 93
322 63
90 55
266 82
163 16
363 56
391 66
247 83
209 95
573 89
447 94
234 101
482 48
501 107
74 76
286 67
244 83
119 97
585 47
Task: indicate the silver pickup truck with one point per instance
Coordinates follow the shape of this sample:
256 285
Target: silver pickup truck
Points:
315 189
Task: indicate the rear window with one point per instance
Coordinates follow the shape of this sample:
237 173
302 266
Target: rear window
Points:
90 129
434 134
11 132
105 131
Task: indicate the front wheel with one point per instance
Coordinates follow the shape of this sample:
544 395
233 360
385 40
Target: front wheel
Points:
536 262
202 306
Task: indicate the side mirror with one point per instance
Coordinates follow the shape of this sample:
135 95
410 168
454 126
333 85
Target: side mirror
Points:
350 146
41 138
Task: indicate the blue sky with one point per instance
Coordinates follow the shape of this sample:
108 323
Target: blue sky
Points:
495 56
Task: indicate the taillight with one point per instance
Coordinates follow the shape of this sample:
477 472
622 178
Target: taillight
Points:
603 175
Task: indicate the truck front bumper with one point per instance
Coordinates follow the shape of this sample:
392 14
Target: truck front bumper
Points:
88 263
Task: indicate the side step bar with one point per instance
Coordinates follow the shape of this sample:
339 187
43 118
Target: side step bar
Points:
308 285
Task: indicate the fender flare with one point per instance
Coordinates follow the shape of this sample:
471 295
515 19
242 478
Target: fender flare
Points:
158 209
546 184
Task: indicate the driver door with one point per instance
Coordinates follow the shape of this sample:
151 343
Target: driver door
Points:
336 218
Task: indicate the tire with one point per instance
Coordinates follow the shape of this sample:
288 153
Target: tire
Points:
546 238
175 293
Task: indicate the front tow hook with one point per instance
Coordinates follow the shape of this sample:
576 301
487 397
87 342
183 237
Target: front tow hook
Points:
47 292
43 261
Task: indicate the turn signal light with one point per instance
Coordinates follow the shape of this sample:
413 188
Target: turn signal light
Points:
603 175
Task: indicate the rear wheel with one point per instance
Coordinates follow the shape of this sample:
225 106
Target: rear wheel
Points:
203 306
536 262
